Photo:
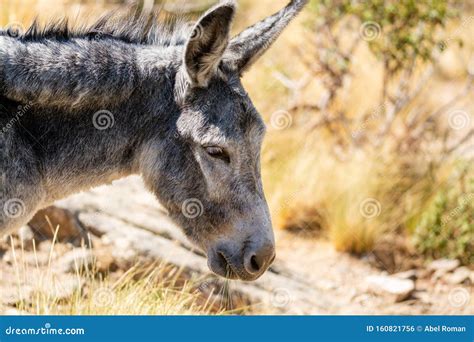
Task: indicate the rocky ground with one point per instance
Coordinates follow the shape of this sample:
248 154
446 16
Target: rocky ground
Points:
124 225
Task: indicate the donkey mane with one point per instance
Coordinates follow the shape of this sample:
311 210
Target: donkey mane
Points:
129 26
78 67
64 65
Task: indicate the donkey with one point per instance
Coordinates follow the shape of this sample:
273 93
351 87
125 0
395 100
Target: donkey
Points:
81 107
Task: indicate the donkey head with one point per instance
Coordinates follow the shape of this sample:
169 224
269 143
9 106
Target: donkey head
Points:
214 154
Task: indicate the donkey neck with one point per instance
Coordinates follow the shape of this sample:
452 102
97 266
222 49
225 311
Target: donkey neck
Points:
80 149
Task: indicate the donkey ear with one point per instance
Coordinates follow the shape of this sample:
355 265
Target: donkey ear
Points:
252 43
208 42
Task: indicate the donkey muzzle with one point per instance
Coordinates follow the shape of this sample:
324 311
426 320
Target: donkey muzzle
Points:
233 262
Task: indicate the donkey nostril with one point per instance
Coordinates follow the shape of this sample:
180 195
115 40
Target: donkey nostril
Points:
222 260
256 260
254 263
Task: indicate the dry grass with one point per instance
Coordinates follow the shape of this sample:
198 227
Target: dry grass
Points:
327 198
154 294
308 187
353 202
157 289
368 194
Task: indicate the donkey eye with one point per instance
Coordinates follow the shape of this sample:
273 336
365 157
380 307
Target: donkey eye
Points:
218 153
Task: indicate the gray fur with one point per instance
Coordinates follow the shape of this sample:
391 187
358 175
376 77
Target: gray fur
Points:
253 42
171 102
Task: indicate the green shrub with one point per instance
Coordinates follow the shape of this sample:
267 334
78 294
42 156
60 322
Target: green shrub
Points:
446 228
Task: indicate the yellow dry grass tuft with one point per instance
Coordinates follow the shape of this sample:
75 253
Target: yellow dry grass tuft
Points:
157 289
353 202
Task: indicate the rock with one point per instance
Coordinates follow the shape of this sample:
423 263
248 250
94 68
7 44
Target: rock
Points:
398 289
13 295
15 312
36 284
60 286
45 222
75 261
22 239
411 274
35 259
442 266
4 245
437 275
104 261
55 250
423 296
460 276
423 273
26 234
326 285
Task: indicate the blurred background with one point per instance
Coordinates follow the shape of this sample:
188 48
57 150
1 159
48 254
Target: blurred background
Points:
367 167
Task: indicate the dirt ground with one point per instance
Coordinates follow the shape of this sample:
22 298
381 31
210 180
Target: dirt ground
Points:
339 282
308 277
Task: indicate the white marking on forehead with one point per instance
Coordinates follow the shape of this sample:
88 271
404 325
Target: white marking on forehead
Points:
214 135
